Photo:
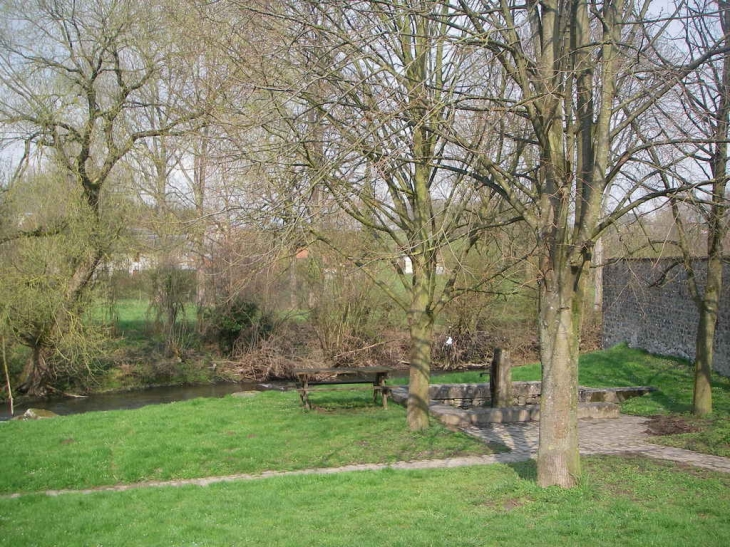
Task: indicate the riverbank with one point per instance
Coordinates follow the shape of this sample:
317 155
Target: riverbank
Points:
125 399
203 437
669 407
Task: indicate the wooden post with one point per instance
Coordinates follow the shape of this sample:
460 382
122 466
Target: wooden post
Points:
500 379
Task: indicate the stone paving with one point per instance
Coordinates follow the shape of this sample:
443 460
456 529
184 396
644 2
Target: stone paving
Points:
622 435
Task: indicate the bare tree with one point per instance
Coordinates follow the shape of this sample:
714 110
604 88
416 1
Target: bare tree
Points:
583 76
703 124
368 90
72 73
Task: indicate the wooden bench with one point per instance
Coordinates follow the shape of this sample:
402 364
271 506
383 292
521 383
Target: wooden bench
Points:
343 379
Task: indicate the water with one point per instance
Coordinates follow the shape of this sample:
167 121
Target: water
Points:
125 400
128 399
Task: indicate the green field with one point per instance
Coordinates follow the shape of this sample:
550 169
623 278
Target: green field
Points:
204 437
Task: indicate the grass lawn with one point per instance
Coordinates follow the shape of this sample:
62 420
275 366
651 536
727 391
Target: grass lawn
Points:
205 437
622 501
623 366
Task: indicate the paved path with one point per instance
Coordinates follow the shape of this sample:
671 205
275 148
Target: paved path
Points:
626 434
622 435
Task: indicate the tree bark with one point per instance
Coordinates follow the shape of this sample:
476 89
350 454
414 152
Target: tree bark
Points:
710 302
702 393
36 373
421 333
420 325
708 308
558 460
717 229
598 276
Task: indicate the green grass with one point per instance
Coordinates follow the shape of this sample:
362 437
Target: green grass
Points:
136 355
623 366
622 501
207 437
712 437
134 318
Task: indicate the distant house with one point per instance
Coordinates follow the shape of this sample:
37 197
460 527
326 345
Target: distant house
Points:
152 250
407 265
140 263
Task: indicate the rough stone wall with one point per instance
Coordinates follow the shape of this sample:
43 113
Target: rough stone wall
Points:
647 304
476 395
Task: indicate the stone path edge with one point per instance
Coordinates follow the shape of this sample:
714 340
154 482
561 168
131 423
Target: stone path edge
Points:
625 435
714 463
466 461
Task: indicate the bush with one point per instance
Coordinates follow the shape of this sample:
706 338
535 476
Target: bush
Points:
238 325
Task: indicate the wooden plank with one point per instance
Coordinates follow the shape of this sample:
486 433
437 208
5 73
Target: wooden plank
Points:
322 390
341 371
340 382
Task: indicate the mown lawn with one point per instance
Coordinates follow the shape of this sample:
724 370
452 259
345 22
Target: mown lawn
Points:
623 366
205 437
622 501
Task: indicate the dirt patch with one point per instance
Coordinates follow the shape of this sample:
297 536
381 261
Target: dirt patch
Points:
511 504
671 425
506 505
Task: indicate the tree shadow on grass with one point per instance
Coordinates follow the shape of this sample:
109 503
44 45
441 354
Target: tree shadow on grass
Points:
526 470
327 401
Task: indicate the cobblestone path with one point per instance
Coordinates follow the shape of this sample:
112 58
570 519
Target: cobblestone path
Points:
625 434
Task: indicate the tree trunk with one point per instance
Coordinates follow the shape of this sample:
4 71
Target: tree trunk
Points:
420 327
717 230
201 295
598 276
558 460
421 333
702 396
37 374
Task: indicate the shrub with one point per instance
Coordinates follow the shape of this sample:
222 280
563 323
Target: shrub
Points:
238 325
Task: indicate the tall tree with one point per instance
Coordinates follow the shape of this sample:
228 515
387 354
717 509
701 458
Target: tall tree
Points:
71 74
369 88
583 75
703 123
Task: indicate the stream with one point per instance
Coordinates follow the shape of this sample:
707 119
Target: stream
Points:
124 400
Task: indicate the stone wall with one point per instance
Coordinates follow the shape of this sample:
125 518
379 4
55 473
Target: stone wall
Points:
476 395
525 394
647 304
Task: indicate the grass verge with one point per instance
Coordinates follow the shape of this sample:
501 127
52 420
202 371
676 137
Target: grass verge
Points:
207 437
622 501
